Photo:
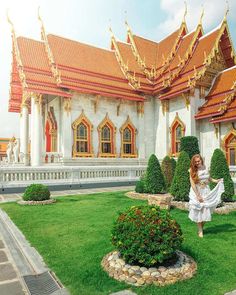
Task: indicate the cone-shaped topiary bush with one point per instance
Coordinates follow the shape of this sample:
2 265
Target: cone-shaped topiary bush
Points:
167 169
173 163
189 144
154 180
140 185
180 186
36 192
219 169
146 235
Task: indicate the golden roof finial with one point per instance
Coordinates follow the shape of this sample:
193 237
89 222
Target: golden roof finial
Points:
111 32
227 10
185 12
43 32
10 22
202 15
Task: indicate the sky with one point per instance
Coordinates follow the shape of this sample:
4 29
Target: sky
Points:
88 21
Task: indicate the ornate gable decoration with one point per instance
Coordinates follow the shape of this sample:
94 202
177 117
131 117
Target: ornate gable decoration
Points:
16 51
56 73
133 81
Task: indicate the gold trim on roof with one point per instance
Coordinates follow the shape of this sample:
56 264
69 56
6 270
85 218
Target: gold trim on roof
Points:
56 73
133 81
16 51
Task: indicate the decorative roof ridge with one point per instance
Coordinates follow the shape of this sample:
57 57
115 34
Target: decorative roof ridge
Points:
187 55
171 55
228 69
56 73
123 42
79 42
16 52
141 62
124 67
212 54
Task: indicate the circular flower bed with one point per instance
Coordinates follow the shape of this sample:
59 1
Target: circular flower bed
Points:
183 268
146 235
36 194
45 202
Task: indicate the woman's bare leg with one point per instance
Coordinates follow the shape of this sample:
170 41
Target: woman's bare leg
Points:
200 229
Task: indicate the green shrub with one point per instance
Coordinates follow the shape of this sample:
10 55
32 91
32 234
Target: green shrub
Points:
154 180
173 163
219 169
180 186
146 235
168 172
36 192
189 144
140 185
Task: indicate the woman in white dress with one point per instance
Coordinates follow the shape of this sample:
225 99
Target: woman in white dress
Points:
202 201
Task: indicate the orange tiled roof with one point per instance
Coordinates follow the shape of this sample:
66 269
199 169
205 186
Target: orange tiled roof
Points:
224 82
88 69
220 96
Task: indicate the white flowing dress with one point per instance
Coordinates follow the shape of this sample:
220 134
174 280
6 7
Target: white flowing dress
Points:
199 212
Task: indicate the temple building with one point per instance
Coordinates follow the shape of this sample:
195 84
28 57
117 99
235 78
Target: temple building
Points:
92 105
3 147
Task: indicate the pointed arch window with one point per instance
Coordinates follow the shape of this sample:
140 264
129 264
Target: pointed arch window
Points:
106 132
177 131
82 136
128 140
230 147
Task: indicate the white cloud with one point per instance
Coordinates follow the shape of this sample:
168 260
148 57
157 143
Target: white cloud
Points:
174 10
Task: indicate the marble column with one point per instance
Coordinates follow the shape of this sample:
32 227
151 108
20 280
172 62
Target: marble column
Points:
24 133
36 131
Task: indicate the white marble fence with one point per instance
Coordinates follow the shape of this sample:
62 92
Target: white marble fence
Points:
13 176
59 175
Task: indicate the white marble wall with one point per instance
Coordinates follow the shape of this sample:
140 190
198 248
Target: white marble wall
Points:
82 102
153 127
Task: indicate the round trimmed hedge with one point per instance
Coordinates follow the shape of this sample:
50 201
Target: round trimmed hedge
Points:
146 235
36 192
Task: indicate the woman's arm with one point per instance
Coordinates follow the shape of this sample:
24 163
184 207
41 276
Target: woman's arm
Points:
193 185
215 180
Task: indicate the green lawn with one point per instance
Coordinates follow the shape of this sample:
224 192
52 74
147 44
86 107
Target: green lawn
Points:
73 235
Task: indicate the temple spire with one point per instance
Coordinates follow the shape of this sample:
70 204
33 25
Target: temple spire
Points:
17 52
43 32
55 71
226 11
202 15
185 12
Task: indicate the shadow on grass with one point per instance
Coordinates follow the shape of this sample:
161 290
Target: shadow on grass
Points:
228 227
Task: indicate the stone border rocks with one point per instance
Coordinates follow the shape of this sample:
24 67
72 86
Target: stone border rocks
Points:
225 209
115 266
161 200
33 203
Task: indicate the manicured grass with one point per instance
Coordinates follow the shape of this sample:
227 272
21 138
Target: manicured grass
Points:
73 235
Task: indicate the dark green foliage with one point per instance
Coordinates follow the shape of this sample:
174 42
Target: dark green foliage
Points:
220 169
154 180
189 144
140 185
180 186
146 235
173 163
168 171
36 192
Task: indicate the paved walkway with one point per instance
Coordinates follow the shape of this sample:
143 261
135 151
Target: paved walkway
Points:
10 279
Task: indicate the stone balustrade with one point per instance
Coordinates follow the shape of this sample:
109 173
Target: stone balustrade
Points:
22 176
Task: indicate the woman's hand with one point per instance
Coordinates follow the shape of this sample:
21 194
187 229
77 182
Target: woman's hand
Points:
200 199
220 179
